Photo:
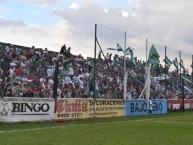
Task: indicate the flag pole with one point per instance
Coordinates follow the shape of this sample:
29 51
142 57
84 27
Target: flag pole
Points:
55 84
181 85
94 77
147 85
180 73
148 67
148 81
192 71
125 72
183 97
165 69
146 50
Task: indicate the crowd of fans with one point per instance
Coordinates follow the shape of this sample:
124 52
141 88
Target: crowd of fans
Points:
31 73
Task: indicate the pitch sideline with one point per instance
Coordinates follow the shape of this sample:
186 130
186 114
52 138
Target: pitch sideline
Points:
102 123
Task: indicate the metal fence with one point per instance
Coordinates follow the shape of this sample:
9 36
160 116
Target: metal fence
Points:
170 79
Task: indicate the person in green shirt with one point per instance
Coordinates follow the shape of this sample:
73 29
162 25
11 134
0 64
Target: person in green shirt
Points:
116 93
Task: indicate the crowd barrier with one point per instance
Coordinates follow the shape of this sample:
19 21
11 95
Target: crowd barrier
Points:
41 109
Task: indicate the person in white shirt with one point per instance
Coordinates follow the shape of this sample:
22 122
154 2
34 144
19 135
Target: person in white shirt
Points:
50 81
11 72
7 48
67 80
150 106
81 83
59 92
42 80
18 51
70 71
50 72
128 95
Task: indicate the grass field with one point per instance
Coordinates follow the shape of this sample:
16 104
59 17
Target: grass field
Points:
170 129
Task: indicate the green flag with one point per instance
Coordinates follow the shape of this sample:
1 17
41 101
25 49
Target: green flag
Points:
119 48
134 60
175 62
167 61
129 51
111 49
182 64
153 56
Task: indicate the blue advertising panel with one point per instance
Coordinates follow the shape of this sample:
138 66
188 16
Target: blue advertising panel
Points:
140 107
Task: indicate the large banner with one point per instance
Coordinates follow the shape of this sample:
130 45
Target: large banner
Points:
140 107
177 105
40 109
26 109
87 108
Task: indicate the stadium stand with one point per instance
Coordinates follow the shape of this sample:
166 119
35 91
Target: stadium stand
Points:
29 72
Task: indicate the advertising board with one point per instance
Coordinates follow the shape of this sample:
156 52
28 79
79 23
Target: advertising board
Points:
26 109
140 107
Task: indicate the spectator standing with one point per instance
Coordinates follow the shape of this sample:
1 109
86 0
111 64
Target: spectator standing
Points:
150 106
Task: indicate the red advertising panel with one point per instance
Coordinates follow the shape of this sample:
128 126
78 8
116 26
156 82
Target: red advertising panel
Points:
177 105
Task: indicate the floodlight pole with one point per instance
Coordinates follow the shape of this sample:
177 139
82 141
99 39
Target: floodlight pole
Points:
125 72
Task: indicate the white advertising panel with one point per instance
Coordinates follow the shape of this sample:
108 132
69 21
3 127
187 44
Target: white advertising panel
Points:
26 109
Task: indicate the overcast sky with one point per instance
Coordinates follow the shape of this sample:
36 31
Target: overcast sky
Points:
52 23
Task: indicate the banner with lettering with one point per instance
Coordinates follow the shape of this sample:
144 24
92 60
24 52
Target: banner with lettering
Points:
140 107
72 108
177 105
107 107
26 109
87 108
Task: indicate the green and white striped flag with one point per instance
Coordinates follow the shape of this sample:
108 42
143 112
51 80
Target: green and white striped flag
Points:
129 51
175 62
167 61
119 48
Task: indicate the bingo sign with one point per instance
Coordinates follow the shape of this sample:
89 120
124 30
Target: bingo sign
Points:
140 107
72 108
26 109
